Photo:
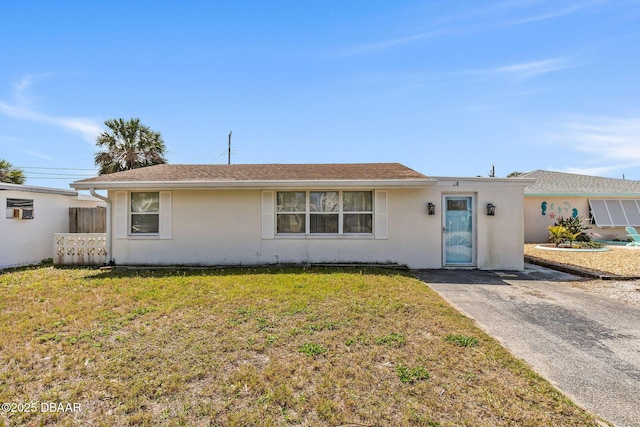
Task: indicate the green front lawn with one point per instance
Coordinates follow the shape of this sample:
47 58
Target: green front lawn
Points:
256 347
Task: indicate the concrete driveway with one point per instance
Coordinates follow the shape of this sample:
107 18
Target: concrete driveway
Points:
586 345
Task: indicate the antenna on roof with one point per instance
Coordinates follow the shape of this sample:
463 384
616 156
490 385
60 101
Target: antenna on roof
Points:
492 172
229 150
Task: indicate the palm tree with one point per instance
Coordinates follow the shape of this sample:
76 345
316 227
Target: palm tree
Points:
128 145
10 174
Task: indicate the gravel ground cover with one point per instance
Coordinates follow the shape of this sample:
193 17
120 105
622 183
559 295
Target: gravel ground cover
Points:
624 261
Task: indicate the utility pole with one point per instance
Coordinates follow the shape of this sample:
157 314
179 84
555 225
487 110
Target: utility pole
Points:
229 150
492 174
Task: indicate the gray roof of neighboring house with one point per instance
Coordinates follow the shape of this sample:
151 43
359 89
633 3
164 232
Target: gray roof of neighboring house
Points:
259 174
34 189
549 183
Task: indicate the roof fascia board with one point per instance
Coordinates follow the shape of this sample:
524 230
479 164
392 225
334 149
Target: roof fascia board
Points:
365 183
33 189
501 181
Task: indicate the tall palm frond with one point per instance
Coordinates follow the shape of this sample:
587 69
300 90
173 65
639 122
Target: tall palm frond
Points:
128 145
11 174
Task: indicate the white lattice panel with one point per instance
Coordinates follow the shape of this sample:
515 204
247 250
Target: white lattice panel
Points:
79 248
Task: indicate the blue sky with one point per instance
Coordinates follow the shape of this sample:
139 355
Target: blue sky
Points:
445 87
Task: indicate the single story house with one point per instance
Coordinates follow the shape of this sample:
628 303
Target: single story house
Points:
607 204
251 214
32 216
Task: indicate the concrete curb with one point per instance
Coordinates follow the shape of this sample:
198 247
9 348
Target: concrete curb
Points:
578 271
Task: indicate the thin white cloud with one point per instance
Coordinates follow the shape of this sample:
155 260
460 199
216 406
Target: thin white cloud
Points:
612 143
562 10
486 18
24 83
388 44
613 138
532 69
22 109
37 154
597 170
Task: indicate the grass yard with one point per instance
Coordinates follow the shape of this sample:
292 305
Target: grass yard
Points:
255 347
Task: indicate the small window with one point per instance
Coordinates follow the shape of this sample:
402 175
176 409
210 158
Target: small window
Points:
291 207
145 213
456 205
358 212
323 211
19 209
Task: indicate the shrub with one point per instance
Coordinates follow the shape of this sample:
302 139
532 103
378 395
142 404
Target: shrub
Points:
576 227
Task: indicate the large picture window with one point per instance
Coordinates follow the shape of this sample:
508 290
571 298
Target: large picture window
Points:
324 212
145 213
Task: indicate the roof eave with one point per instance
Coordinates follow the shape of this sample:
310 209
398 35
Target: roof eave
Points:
35 189
247 185
486 180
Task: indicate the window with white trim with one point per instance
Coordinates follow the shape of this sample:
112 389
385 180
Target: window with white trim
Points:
324 212
357 212
145 213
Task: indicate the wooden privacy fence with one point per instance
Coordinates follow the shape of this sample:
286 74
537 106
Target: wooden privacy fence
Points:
87 220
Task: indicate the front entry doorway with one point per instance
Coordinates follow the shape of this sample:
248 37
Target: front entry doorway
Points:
458 242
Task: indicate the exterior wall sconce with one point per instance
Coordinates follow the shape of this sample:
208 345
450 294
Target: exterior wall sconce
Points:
491 209
431 208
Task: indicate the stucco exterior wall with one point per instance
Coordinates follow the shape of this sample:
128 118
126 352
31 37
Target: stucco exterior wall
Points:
224 227
29 241
499 238
542 212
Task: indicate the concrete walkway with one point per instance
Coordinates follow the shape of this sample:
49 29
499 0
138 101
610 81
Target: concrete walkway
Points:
587 346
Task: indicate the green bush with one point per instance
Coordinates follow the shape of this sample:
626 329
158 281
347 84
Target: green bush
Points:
576 227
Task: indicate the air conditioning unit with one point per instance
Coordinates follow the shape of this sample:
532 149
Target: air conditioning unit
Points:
21 213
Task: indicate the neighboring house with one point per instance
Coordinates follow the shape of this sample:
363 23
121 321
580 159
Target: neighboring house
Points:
32 215
311 213
607 204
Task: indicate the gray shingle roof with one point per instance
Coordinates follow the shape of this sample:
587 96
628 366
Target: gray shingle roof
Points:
168 173
565 184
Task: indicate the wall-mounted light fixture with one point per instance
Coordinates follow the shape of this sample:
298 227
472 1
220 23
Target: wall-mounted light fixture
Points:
431 208
491 209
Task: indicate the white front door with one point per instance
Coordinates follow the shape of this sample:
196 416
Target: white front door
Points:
458 242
